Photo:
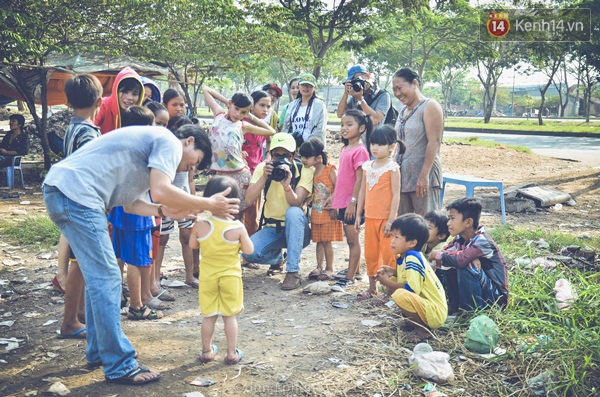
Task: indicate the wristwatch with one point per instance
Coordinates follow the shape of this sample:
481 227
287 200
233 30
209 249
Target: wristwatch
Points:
353 200
358 103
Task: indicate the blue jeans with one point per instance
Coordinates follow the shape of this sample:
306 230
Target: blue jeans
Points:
475 289
87 232
268 243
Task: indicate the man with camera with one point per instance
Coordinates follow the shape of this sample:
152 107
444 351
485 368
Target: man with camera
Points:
362 93
284 224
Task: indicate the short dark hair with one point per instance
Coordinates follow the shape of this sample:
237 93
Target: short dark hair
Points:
313 147
177 121
83 91
170 94
154 106
383 135
130 84
258 95
468 207
19 117
242 100
137 115
408 75
412 227
439 220
201 142
218 184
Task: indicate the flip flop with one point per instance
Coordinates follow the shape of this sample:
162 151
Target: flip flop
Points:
215 350
165 295
79 334
128 378
365 295
194 283
238 357
314 274
324 276
56 285
157 304
251 266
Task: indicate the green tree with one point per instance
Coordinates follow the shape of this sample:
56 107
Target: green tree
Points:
30 30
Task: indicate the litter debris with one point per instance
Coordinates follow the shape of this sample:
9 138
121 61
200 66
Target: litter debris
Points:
565 294
50 322
542 383
59 388
11 343
370 323
25 202
194 394
258 321
542 244
203 382
318 288
482 335
429 364
7 323
173 283
557 207
8 262
48 255
340 305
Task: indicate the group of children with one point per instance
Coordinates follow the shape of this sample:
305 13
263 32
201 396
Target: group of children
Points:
362 192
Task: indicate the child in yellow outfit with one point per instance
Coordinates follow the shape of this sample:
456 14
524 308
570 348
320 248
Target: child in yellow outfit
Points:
379 196
220 290
413 284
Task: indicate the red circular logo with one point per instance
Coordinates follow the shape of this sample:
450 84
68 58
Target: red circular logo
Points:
498 27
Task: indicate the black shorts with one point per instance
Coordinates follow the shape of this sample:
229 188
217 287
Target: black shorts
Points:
342 212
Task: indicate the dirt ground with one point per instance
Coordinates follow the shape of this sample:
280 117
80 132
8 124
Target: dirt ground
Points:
295 344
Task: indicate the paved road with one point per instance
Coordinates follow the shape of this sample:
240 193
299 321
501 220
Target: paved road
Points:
586 150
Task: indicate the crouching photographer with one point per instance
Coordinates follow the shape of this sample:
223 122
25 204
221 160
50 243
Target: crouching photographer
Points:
285 186
362 93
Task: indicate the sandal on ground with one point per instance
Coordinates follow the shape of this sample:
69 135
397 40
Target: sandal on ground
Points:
194 283
129 377
214 351
238 357
314 275
250 266
275 269
165 296
365 295
56 285
79 334
143 313
291 281
325 276
157 304
123 301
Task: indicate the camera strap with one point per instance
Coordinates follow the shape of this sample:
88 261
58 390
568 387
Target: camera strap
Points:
306 115
294 182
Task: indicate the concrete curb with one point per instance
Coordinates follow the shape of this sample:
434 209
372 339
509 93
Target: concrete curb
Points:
524 132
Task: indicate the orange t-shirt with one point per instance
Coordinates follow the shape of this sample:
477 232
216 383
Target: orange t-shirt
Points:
378 184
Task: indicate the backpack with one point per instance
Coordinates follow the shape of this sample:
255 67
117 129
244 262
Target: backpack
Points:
392 113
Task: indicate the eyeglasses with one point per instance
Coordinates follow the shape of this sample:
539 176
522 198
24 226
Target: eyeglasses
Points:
277 156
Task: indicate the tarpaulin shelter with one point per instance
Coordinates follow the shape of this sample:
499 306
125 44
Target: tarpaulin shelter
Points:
61 67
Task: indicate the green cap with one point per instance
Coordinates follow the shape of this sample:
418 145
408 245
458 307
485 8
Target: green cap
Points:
307 78
283 140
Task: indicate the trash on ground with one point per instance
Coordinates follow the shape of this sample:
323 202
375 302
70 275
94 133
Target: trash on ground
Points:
59 388
565 295
173 283
202 382
318 288
50 322
340 305
11 343
541 384
7 323
482 335
194 394
258 321
370 323
429 364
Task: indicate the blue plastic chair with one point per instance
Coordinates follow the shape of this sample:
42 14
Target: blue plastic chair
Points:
10 172
470 183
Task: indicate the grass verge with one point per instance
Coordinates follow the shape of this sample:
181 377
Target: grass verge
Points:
37 230
529 125
475 141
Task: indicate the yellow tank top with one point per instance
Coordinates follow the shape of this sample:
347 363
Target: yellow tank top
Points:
220 257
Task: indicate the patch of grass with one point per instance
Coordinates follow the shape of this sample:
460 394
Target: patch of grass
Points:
475 141
539 335
36 230
531 124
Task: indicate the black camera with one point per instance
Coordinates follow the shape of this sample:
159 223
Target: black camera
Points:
358 84
279 174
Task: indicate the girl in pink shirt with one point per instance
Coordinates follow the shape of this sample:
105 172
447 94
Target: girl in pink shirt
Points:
353 124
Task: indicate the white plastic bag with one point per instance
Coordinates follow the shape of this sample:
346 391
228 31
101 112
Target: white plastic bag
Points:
565 294
431 364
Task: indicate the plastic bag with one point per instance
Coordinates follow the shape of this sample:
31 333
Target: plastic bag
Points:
431 364
565 294
482 335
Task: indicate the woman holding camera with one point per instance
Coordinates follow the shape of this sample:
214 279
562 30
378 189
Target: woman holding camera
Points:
306 117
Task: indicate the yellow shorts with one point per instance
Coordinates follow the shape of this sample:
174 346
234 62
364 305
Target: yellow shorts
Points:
224 296
413 303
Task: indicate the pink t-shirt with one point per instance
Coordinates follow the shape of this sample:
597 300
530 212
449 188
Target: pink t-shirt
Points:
350 161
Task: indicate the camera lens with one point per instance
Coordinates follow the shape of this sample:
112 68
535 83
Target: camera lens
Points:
357 86
278 174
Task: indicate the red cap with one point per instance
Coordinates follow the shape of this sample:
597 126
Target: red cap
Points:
275 87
